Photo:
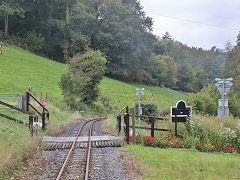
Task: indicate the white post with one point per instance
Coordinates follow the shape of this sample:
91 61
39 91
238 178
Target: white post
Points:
139 92
139 113
223 107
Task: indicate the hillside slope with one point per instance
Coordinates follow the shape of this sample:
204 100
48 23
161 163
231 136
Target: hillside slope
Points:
20 69
123 94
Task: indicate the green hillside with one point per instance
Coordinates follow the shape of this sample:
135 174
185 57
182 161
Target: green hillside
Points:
123 94
20 69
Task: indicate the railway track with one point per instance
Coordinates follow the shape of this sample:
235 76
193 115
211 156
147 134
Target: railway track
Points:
74 155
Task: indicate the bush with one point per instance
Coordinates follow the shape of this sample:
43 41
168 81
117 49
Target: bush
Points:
79 83
206 101
148 109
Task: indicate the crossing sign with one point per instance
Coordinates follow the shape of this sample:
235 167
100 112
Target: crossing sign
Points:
224 85
139 91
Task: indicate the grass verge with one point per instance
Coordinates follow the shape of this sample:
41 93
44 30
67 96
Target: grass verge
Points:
16 143
157 163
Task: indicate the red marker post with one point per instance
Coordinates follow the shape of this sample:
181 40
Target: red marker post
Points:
0 49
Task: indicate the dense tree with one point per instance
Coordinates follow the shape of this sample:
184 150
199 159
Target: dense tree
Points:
122 35
8 8
120 29
206 65
185 78
232 68
164 71
80 82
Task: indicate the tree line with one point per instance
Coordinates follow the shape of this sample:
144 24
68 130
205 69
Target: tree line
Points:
120 29
206 100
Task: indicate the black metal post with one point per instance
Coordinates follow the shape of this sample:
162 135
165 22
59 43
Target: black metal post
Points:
176 120
152 127
43 121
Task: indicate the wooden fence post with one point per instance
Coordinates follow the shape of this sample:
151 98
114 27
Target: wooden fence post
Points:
28 101
30 89
48 116
31 124
126 127
119 124
152 127
43 120
133 124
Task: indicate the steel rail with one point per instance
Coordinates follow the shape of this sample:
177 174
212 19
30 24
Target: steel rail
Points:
73 146
89 149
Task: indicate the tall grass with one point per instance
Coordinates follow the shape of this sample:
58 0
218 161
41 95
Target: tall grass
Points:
218 131
15 143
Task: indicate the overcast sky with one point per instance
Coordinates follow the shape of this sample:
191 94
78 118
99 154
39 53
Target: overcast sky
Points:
202 23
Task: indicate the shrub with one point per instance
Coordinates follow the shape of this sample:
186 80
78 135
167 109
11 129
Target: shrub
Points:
79 83
148 109
205 101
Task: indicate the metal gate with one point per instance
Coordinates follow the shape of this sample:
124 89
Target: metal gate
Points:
12 99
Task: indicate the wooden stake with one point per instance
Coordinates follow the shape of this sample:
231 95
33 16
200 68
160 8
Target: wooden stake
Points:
126 127
119 124
133 124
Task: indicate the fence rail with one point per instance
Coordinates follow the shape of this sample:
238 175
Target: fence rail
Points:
10 98
45 112
126 125
24 107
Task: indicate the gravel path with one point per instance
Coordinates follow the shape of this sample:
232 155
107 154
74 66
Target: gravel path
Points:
106 163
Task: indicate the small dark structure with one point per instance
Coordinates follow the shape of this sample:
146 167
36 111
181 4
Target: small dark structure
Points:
180 113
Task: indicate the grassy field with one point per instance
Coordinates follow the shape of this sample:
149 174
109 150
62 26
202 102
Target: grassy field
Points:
157 163
123 94
20 69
